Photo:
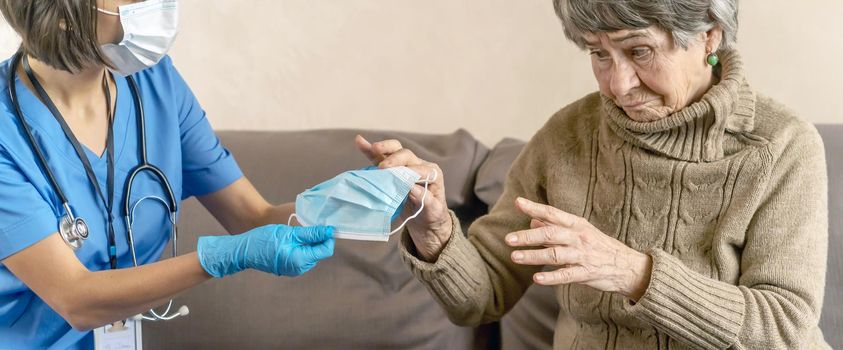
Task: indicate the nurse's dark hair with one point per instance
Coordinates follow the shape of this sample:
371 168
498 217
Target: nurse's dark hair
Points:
60 33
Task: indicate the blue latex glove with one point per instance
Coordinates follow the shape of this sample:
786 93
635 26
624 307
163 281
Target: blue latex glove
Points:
279 249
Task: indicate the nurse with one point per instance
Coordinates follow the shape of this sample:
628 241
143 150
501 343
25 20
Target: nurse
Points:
70 135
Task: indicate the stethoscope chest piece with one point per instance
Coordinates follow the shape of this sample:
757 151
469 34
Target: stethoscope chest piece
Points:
73 231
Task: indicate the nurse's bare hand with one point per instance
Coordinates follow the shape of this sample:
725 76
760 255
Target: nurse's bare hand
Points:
431 230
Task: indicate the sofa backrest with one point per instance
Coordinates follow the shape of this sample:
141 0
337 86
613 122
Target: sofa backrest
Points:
831 321
531 323
362 298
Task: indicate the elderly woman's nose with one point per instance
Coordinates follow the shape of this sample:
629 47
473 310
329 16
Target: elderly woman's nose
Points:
624 78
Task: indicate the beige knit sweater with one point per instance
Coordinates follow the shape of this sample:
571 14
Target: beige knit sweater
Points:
728 196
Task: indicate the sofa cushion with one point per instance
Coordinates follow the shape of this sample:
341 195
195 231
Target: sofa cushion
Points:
362 298
491 177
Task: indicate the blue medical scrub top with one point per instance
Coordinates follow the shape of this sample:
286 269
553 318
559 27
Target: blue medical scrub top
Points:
180 142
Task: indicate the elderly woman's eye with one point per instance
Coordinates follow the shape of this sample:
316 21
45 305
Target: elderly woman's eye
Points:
599 54
641 52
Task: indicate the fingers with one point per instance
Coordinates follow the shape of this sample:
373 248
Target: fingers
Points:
540 236
431 202
431 175
395 155
313 234
536 223
556 255
427 171
303 258
366 148
416 194
386 147
391 154
377 152
320 251
565 275
546 213
401 157
317 244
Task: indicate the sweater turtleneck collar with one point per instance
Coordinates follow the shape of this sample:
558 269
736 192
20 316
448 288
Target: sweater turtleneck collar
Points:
696 132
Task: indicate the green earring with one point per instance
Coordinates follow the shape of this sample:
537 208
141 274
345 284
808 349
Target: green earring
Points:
712 59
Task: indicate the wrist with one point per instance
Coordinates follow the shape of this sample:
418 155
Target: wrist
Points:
215 255
204 248
434 240
273 214
202 267
641 266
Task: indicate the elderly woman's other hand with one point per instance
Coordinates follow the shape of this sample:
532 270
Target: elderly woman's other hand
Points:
586 255
431 230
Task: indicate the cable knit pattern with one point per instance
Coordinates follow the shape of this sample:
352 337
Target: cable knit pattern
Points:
728 196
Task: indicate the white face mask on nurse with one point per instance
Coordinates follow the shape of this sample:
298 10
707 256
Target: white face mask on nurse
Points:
137 34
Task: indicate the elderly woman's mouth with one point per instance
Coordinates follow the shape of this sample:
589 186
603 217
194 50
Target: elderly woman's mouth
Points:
635 106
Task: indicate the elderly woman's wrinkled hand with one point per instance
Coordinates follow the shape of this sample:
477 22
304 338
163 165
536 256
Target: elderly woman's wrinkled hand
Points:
431 230
586 255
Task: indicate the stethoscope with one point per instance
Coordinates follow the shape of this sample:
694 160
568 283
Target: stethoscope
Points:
74 230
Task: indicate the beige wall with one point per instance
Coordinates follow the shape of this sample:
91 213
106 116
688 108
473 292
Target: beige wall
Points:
495 67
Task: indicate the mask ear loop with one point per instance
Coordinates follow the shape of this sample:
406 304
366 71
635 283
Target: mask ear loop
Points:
107 12
426 182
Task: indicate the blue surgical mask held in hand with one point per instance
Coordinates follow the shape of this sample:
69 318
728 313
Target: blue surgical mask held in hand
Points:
360 204
278 249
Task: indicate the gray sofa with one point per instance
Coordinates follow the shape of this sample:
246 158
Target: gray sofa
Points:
364 297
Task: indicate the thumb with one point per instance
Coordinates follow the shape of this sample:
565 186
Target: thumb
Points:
366 148
313 234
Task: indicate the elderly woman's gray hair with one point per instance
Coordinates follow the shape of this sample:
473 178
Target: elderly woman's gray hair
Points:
681 18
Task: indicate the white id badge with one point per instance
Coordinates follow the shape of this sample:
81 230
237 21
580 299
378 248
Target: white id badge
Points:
121 335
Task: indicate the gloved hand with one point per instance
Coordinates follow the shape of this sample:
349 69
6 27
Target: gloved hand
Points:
279 249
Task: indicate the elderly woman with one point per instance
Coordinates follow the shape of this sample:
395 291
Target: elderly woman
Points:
676 208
